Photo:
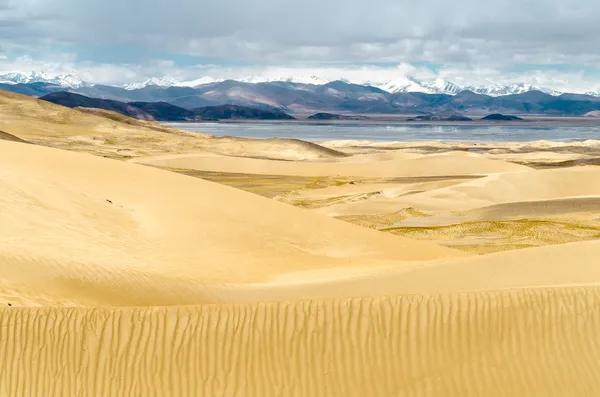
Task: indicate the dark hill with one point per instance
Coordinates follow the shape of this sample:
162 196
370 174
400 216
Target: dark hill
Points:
234 112
72 100
163 111
332 116
500 117
32 89
441 117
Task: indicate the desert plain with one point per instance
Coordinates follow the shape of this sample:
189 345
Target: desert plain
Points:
141 260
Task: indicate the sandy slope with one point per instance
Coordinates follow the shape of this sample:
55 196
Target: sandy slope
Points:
86 215
28 117
446 164
518 187
9 137
527 186
110 134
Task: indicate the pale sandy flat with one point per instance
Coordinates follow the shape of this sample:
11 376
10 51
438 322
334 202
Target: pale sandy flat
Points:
447 164
532 185
359 191
456 145
537 157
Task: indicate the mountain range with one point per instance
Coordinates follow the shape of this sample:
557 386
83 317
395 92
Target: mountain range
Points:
64 80
401 84
332 97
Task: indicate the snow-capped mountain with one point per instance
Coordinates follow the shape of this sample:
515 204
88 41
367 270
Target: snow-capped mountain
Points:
593 93
408 84
499 90
300 79
398 85
403 84
441 86
198 82
63 80
158 81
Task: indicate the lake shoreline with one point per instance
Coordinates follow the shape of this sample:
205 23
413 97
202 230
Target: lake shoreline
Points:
402 120
409 131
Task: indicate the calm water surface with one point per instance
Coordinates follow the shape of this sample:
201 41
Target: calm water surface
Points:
391 132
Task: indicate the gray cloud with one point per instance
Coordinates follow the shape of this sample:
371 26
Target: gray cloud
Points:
460 31
475 41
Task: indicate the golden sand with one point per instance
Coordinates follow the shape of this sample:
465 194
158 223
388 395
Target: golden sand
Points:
119 279
447 164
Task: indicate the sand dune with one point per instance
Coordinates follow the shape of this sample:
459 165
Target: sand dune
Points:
538 267
9 137
527 342
447 164
105 214
28 117
351 192
528 186
273 148
540 157
348 312
528 209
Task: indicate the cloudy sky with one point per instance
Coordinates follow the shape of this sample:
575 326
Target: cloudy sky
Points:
553 43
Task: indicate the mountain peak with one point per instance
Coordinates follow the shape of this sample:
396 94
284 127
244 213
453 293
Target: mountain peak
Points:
593 93
300 79
63 80
164 81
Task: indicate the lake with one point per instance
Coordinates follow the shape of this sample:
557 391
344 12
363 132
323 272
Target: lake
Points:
395 132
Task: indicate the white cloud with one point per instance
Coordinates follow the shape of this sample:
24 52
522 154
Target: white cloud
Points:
472 32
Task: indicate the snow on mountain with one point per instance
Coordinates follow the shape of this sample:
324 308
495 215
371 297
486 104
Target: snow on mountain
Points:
300 79
408 84
63 80
67 80
23 77
157 81
198 82
404 84
593 93
442 86
520 88
398 85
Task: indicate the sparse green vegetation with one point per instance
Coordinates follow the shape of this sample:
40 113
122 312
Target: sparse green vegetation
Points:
492 236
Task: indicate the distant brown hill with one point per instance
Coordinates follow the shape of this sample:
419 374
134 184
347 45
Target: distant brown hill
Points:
163 111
